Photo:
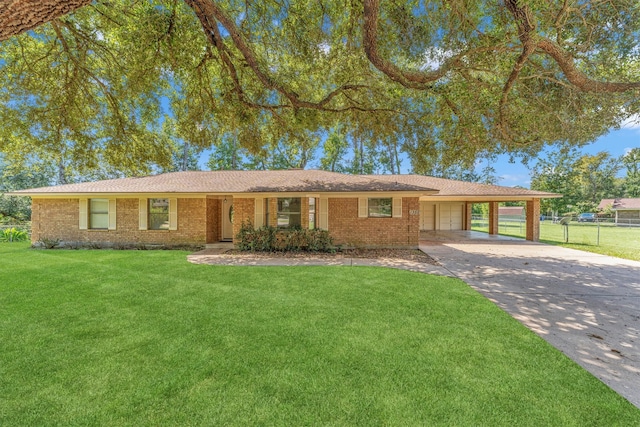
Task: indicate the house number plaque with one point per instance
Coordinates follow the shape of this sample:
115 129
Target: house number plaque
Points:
414 212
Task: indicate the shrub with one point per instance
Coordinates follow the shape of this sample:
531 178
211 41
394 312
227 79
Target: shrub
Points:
320 241
13 234
48 243
270 239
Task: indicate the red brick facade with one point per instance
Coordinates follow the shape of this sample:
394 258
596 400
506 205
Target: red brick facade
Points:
214 232
59 219
243 211
347 228
533 220
199 222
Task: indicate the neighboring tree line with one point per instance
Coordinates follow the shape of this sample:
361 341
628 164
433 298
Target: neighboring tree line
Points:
585 179
337 150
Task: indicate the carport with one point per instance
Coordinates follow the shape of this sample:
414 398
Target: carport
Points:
450 208
446 213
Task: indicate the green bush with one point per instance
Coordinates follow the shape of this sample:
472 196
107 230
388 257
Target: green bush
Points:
13 234
319 241
271 239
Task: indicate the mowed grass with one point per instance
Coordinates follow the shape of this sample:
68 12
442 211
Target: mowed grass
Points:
621 242
145 338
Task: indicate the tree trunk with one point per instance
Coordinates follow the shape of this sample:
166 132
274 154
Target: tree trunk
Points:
18 16
185 156
62 174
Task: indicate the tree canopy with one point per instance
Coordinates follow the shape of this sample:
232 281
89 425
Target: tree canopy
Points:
585 179
442 81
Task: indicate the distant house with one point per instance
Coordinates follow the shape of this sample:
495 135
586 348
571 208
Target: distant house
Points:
511 213
627 210
208 207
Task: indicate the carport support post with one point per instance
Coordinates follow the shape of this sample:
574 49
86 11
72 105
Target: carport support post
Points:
533 220
493 217
468 214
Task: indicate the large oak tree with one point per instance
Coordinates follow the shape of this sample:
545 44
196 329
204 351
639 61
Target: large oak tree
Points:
448 80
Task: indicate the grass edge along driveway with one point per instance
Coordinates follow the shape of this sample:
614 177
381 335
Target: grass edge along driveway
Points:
145 338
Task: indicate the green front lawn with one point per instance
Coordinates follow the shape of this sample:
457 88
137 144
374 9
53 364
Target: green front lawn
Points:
621 242
145 338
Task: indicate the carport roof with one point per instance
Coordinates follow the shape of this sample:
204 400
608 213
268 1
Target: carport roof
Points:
454 188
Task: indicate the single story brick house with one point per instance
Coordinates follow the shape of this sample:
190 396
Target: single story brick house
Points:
199 207
627 210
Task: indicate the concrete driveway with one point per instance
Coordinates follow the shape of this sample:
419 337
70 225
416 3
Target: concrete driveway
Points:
586 305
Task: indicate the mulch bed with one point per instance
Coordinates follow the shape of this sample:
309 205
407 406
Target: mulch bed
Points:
406 254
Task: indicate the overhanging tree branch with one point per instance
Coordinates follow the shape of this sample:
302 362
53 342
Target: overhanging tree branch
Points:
577 77
210 14
18 16
409 79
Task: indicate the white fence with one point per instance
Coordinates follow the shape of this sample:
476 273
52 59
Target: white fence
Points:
505 223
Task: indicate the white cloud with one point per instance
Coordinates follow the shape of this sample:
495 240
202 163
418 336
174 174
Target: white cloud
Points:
632 122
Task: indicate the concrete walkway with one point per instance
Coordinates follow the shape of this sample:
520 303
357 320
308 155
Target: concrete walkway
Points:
584 304
217 257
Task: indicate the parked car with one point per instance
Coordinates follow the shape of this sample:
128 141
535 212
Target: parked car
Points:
586 217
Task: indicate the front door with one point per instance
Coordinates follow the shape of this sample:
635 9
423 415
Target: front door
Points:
227 218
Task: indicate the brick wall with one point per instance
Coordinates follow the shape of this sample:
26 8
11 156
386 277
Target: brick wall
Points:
199 223
533 220
59 219
273 211
243 211
214 227
347 228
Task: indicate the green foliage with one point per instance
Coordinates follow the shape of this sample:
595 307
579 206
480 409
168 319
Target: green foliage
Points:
95 92
583 180
318 240
631 183
262 239
270 239
15 177
228 154
13 234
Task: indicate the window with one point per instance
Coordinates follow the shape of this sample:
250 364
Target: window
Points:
289 212
99 214
158 214
380 208
312 213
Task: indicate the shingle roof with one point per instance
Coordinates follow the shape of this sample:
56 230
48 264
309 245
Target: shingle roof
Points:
451 187
620 204
234 182
298 180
